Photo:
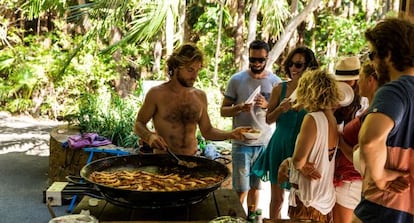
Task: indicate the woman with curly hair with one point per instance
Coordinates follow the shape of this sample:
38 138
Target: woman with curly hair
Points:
310 169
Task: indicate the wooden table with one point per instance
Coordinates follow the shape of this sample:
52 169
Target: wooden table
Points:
221 202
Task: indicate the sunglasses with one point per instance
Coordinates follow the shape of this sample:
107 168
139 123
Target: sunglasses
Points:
256 59
371 55
297 65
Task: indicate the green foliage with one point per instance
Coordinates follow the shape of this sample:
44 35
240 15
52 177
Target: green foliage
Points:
19 105
207 27
61 74
111 116
346 33
31 70
23 73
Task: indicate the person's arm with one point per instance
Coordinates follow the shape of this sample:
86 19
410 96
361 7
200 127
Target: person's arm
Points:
211 133
145 114
305 141
283 171
261 102
230 109
275 107
372 142
346 149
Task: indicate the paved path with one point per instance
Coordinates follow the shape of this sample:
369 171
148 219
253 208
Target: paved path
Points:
24 162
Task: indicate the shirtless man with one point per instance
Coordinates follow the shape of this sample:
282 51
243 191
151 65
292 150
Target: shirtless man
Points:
177 108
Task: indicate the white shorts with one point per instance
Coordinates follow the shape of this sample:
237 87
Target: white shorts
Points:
349 194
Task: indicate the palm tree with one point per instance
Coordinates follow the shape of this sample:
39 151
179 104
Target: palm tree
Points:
289 29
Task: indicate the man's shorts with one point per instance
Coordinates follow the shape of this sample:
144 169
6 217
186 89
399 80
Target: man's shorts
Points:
349 194
243 158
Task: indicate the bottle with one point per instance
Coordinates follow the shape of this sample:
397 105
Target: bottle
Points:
252 217
251 213
258 216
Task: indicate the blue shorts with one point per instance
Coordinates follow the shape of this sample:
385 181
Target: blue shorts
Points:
243 158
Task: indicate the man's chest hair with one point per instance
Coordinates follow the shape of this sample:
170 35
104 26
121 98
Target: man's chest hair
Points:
182 112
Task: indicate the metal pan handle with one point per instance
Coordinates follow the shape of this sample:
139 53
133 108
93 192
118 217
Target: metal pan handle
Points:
76 180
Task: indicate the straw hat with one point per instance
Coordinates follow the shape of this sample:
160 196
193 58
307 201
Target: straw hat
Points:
347 69
346 94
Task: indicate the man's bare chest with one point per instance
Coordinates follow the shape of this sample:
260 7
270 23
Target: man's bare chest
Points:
184 110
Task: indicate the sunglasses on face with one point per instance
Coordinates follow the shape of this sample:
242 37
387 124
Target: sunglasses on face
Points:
371 55
297 65
256 59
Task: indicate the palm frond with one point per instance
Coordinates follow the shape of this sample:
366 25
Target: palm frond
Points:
147 23
276 12
33 8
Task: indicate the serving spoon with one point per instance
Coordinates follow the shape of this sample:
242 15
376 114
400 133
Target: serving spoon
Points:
182 162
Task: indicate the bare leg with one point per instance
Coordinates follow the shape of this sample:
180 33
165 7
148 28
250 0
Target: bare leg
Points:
242 196
355 219
252 199
342 214
276 201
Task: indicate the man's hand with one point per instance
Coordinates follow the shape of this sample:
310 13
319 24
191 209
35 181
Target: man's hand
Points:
394 181
244 107
260 101
157 142
237 133
285 105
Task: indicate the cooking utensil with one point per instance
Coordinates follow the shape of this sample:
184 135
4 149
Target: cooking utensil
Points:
154 163
182 162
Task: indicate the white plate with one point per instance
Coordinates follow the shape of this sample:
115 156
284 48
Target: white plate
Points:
292 96
74 218
346 94
228 219
252 135
251 98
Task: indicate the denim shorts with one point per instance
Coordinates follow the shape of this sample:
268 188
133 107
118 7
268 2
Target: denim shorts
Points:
243 158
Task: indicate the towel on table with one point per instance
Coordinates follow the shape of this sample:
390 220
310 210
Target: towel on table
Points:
87 139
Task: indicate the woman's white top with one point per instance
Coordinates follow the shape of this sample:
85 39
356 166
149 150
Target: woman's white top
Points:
320 194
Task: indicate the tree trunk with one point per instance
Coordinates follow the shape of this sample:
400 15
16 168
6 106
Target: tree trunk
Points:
370 10
217 56
295 36
407 9
289 30
84 25
251 33
125 84
169 32
156 69
238 47
182 30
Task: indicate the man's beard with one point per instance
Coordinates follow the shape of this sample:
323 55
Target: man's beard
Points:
257 71
383 70
183 82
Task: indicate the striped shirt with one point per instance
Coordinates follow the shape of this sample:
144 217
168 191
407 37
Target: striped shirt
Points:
396 100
